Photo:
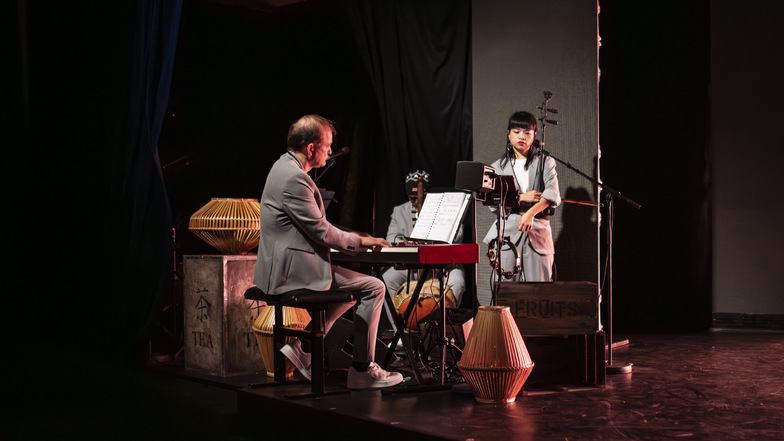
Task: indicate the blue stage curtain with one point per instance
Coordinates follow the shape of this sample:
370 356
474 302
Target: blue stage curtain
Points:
147 211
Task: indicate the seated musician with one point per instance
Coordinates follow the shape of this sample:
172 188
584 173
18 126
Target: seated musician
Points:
294 251
402 224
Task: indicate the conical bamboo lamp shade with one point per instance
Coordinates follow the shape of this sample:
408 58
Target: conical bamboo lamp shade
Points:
495 362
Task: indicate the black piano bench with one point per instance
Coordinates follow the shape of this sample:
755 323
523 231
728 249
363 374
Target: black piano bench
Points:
316 303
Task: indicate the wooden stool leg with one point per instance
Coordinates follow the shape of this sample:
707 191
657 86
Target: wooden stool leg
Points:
279 340
317 357
318 379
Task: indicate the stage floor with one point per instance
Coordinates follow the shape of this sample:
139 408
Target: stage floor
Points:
713 386
716 385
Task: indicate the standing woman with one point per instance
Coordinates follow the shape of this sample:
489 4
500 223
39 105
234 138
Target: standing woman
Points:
528 227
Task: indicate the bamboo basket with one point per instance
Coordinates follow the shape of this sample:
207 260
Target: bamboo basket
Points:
229 225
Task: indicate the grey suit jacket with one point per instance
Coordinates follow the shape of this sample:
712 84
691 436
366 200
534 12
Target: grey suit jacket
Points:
540 235
295 236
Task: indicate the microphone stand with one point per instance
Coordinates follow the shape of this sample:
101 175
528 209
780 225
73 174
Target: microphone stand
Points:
609 193
499 243
500 216
175 276
330 163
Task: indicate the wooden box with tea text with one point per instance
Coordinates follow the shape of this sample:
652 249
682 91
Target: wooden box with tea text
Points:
218 320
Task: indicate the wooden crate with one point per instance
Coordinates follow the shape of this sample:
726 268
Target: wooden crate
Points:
219 337
557 308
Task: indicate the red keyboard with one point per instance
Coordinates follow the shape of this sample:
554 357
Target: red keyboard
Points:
436 255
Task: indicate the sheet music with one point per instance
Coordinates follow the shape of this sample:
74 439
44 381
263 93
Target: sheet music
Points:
440 217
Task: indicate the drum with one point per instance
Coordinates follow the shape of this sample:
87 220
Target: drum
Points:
426 304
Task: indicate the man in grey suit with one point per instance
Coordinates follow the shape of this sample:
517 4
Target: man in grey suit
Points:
294 251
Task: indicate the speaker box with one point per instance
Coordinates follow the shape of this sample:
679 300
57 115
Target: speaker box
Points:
566 360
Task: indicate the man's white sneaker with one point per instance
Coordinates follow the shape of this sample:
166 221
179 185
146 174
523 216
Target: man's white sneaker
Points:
301 360
373 378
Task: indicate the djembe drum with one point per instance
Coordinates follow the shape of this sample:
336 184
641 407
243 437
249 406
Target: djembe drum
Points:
427 302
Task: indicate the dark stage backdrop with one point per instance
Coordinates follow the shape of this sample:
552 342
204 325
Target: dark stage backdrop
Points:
394 76
746 109
654 103
244 74
91 256
520 50
417 56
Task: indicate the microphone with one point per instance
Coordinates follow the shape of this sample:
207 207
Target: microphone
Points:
341 152
536 146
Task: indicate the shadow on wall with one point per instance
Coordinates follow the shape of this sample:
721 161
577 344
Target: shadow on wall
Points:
579 223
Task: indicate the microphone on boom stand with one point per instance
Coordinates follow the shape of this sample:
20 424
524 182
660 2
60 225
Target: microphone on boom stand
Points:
331 161
341 152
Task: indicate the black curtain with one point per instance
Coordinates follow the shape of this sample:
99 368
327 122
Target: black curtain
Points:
418 55
147 215
91 231
86 242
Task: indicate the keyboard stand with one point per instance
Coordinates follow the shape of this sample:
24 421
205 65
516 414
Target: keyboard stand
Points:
399 325
434 335
441 340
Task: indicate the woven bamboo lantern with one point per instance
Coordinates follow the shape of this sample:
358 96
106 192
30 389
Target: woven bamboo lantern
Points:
229 225
495 362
